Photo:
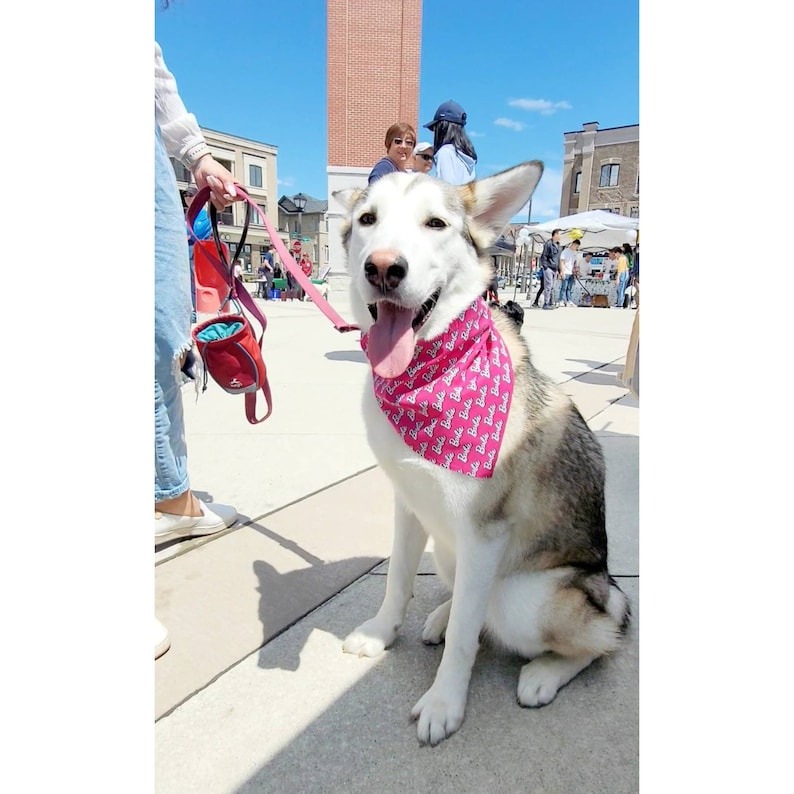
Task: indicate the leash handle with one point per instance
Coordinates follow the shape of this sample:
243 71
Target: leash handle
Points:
237 289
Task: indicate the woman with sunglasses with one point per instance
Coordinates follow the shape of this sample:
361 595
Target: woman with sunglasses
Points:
400 142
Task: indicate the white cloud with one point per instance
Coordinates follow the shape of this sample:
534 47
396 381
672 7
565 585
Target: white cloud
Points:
542 106
473 134
510 124
287 181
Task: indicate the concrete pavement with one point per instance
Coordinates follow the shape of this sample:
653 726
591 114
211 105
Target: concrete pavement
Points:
255 693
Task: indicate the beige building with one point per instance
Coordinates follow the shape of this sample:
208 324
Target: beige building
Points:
601 170
308 228
254 166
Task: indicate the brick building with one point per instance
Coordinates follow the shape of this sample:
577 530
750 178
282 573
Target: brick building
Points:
601 170
373 61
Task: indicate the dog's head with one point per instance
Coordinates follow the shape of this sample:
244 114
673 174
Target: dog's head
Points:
415 250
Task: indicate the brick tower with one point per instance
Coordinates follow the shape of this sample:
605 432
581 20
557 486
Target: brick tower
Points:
373 82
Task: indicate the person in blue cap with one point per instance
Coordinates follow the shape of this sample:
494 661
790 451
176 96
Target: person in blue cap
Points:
455 155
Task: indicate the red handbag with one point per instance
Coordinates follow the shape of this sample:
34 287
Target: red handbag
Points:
231 353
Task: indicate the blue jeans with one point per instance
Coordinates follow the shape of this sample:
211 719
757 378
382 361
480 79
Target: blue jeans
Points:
565 289
623 280
172 307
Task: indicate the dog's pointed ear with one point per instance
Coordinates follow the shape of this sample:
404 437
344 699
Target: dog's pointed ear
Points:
496 199
347 197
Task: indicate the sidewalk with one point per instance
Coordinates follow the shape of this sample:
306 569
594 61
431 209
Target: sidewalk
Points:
255 693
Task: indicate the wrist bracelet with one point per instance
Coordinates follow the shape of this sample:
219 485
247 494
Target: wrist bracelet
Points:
195 153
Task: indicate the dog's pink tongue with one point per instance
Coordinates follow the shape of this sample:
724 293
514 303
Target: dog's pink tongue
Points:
391 340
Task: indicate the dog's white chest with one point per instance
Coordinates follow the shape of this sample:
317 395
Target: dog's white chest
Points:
434 494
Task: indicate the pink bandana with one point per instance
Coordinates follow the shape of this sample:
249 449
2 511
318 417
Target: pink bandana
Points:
450 405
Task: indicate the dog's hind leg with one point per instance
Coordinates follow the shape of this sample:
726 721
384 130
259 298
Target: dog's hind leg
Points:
542 678
377 634
561 619
436 624
579 628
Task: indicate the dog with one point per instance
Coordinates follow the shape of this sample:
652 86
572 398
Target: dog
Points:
513 310
486 455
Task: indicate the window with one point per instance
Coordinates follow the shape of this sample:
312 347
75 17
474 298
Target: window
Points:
255 175
226 164
256 218
182 173
634 212
577 182
637 186
609 175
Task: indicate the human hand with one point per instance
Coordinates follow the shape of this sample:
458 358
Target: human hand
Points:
210 173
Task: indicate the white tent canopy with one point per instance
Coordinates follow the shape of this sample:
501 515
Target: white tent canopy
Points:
602 230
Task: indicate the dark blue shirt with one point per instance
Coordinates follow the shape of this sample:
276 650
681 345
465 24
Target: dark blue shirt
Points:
382 167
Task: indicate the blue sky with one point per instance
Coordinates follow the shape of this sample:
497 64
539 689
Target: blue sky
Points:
526 72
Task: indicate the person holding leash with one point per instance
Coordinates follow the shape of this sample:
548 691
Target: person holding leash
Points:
178 512
456 158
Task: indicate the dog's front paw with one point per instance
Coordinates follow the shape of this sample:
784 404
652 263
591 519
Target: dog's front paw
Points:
439 713
370 638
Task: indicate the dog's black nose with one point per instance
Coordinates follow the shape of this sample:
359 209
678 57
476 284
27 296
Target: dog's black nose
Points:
385 269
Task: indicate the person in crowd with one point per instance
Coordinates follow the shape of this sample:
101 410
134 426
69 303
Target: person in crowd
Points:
423 158
550 263
568 262
265 271
634 276
629 252
400 141
178 512
456 158
621 273
585 268
305 265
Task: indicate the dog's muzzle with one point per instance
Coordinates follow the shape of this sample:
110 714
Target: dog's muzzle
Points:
385 270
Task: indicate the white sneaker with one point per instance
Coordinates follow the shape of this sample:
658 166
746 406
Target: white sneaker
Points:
216 517
162 642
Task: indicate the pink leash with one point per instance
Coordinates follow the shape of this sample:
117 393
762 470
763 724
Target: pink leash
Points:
289 262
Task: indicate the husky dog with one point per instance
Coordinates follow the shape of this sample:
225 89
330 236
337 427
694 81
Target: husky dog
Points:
485 454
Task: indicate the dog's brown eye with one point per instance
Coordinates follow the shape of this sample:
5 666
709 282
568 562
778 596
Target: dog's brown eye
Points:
436 223
367 219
